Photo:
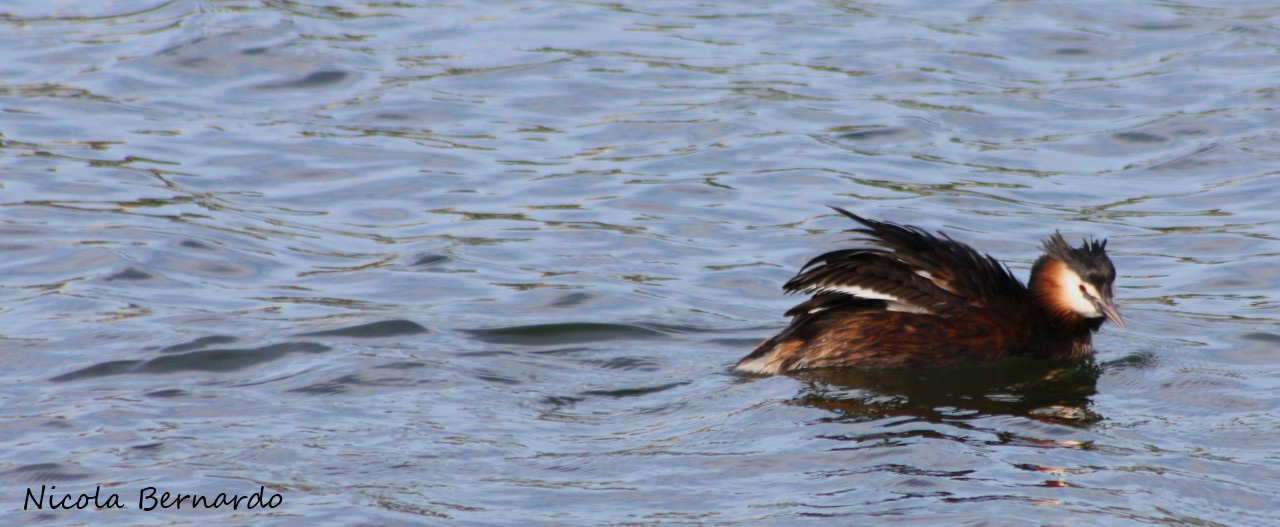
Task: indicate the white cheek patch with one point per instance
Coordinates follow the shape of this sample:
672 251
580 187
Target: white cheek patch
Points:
1076 299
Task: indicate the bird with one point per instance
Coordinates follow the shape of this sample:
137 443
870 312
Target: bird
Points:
912 299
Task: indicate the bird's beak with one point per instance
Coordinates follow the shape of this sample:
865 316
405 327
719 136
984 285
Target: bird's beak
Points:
1108 308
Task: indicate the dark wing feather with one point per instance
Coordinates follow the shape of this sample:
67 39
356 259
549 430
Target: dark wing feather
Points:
874 275
824 301
913 270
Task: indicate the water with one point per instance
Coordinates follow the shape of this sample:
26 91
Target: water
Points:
488 263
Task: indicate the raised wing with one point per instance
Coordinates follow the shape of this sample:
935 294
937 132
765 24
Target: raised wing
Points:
911 270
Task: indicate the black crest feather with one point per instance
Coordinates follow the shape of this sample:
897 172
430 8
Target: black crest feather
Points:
1089 260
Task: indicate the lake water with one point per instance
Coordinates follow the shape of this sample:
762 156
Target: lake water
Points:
489 263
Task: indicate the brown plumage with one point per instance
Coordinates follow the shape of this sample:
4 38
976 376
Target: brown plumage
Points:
917 299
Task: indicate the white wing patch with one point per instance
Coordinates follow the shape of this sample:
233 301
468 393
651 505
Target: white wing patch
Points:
944 285
907 308
894 303
851 290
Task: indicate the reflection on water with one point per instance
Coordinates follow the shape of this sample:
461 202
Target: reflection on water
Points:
1057 391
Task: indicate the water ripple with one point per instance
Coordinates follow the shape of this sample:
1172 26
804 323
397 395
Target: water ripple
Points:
494 262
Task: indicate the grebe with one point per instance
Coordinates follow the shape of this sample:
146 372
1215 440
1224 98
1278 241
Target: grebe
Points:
923 300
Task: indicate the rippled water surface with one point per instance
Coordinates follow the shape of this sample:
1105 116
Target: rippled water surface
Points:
489 263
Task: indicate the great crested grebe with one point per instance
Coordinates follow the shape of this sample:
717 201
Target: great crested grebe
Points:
923 300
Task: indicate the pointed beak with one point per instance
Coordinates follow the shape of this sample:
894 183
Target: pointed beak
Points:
1108 308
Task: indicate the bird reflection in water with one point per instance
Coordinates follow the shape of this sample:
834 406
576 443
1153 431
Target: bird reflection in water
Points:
1055 391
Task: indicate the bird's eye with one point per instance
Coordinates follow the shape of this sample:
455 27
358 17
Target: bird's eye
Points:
1082 290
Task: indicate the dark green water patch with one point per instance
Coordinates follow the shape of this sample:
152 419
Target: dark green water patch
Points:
385 328
222 360
632 392
199 343
560 334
